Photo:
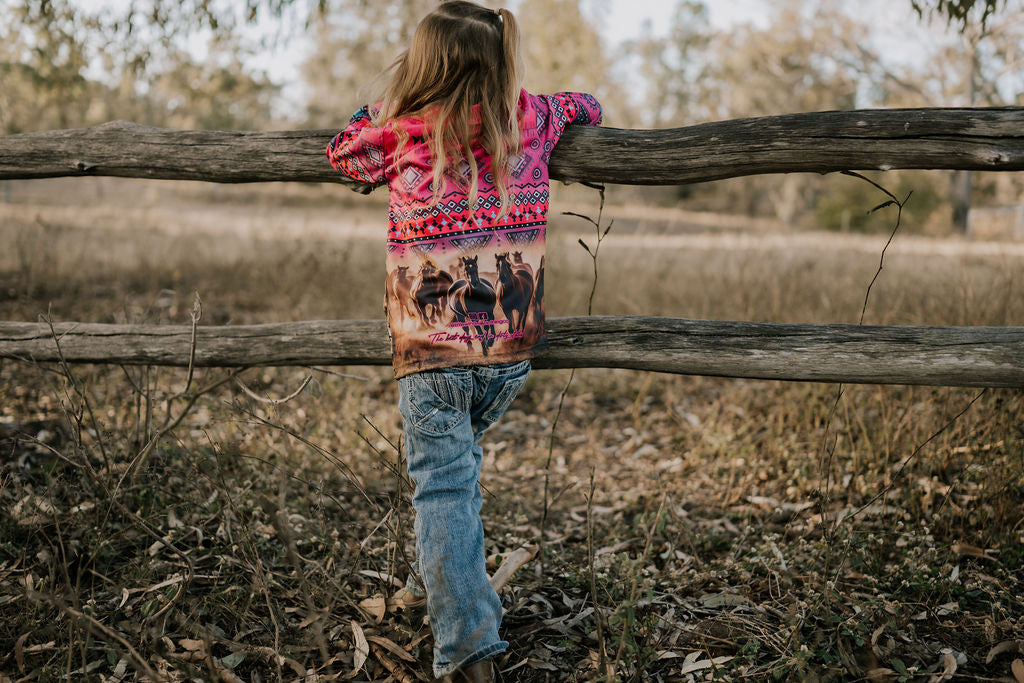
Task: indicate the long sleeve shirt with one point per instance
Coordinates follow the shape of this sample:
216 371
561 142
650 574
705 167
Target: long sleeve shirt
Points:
464 285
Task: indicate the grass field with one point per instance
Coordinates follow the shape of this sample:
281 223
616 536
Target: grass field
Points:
697 528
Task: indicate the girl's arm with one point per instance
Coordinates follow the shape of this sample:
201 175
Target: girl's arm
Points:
359 151
555 112
579 109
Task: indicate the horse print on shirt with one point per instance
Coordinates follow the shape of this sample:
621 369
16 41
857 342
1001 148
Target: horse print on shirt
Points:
479 297
472 301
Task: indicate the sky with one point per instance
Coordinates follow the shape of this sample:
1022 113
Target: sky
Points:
625 18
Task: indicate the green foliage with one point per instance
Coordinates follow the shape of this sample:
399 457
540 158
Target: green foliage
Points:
846 203
676 66
42 57
354 43
569 54
958 11
64 66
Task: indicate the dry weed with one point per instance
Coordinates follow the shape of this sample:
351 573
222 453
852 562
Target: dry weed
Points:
268 539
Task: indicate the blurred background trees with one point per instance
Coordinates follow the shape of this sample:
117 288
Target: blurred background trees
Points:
353 42
192 64
66 64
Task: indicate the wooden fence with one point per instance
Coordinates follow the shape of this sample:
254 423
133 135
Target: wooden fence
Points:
971 139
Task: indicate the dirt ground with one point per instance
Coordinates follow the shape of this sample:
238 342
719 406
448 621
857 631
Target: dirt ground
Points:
676 528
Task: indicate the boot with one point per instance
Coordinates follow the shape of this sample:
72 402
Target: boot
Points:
477 672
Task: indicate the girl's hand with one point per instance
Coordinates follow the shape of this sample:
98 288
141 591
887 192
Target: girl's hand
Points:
363 189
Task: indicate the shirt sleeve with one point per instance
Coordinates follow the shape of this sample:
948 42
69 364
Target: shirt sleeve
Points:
555 112
359 151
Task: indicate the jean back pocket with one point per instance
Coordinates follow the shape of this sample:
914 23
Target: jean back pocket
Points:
436 401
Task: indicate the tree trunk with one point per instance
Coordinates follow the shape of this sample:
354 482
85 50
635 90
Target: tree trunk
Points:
961 200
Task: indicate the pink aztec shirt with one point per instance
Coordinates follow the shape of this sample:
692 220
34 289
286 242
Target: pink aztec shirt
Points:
464 286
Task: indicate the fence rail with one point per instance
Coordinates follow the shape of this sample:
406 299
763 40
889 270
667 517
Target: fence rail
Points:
989 139
986 139
942 356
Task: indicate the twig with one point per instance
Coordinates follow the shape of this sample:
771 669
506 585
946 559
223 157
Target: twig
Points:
398 468
274 401
572 374
197 314
102 630
170 425
403 483
899 217
338 374
602 653
381 434
112 495
255 562
601 649
913 454
78 390
287 535
510 564
547 465
635 582
331 457
831 530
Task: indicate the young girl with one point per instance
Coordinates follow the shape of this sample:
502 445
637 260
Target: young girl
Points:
464 152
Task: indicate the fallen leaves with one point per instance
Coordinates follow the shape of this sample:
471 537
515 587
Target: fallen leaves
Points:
381 576
199 651
1007 646
730 579
723 600
948 665
362 650
694 662
1011 647
376 606
391 647
19 651
967 550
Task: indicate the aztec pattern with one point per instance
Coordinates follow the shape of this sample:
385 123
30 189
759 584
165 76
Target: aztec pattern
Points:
465 285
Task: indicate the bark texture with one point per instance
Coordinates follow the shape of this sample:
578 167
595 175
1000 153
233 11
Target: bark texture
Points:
984 139
941 356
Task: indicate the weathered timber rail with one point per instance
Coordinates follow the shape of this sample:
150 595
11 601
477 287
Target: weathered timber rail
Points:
944 356
990 139
986 139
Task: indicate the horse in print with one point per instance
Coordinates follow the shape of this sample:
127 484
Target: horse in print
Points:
515 292
457 270
519 264
430 292
473 300
399 290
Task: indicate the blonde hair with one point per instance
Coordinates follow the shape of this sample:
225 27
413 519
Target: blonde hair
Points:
461 55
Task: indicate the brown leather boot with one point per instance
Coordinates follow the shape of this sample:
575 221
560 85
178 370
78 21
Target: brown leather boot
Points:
478 672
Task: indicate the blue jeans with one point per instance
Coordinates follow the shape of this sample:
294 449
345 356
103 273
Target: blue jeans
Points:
445 412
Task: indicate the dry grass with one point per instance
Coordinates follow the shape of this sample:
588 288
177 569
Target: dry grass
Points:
740 529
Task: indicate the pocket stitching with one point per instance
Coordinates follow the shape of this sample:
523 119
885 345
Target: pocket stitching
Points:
422 418
513 386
